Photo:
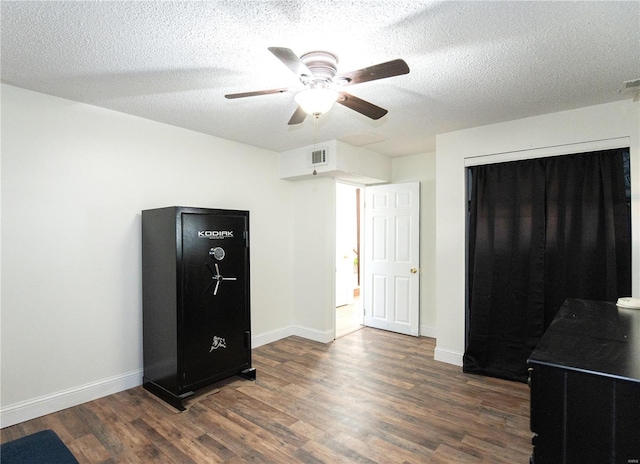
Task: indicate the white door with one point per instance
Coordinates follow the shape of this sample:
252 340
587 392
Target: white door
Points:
392 257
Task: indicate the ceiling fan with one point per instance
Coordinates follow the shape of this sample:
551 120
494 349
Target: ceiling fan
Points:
322 86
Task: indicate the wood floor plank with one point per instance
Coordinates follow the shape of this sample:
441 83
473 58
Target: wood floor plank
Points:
90 448
448 455
371 397
265 418
397 452
100 427
210 447
245 438
131 438
161 442
503 451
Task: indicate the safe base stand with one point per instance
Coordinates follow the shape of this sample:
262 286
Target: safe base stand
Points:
249 374
167 396
176 400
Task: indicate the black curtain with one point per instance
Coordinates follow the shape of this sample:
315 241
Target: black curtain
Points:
541 231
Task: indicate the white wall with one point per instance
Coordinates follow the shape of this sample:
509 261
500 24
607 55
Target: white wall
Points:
344 162
315 241
422 168
584 129
74 180
314 263
314 248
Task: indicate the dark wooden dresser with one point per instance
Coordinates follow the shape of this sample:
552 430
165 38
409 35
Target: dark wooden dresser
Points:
585 386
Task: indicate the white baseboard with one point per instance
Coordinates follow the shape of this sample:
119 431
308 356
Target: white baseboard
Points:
37 407
48 404
426 331
304 332
269 337
448 356
313 334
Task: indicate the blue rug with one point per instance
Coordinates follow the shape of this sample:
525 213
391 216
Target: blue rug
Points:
39 448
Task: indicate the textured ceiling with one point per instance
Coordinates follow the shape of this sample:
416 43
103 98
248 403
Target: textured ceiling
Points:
472 63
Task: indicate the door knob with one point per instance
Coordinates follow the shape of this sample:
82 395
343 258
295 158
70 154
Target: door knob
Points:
414 270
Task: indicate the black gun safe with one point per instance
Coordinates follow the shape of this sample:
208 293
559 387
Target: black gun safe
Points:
196 302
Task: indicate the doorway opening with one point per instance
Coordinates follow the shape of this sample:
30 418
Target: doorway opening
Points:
348 316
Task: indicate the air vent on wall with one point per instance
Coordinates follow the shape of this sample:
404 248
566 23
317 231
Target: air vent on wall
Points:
318 157
633 84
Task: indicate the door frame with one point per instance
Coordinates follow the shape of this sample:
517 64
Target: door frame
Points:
360 213
361 263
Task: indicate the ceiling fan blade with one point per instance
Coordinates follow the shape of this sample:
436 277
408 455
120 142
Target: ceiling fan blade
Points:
298 117
291 60
371 73
361 106
256 93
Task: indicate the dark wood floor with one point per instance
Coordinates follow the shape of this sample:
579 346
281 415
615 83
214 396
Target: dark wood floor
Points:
371 396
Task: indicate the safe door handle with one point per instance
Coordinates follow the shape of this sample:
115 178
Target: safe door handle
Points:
217 278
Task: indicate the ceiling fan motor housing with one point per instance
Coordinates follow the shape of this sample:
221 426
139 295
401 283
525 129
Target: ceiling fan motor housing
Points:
323 65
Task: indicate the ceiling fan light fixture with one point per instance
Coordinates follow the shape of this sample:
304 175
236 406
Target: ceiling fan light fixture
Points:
317 72
316 101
